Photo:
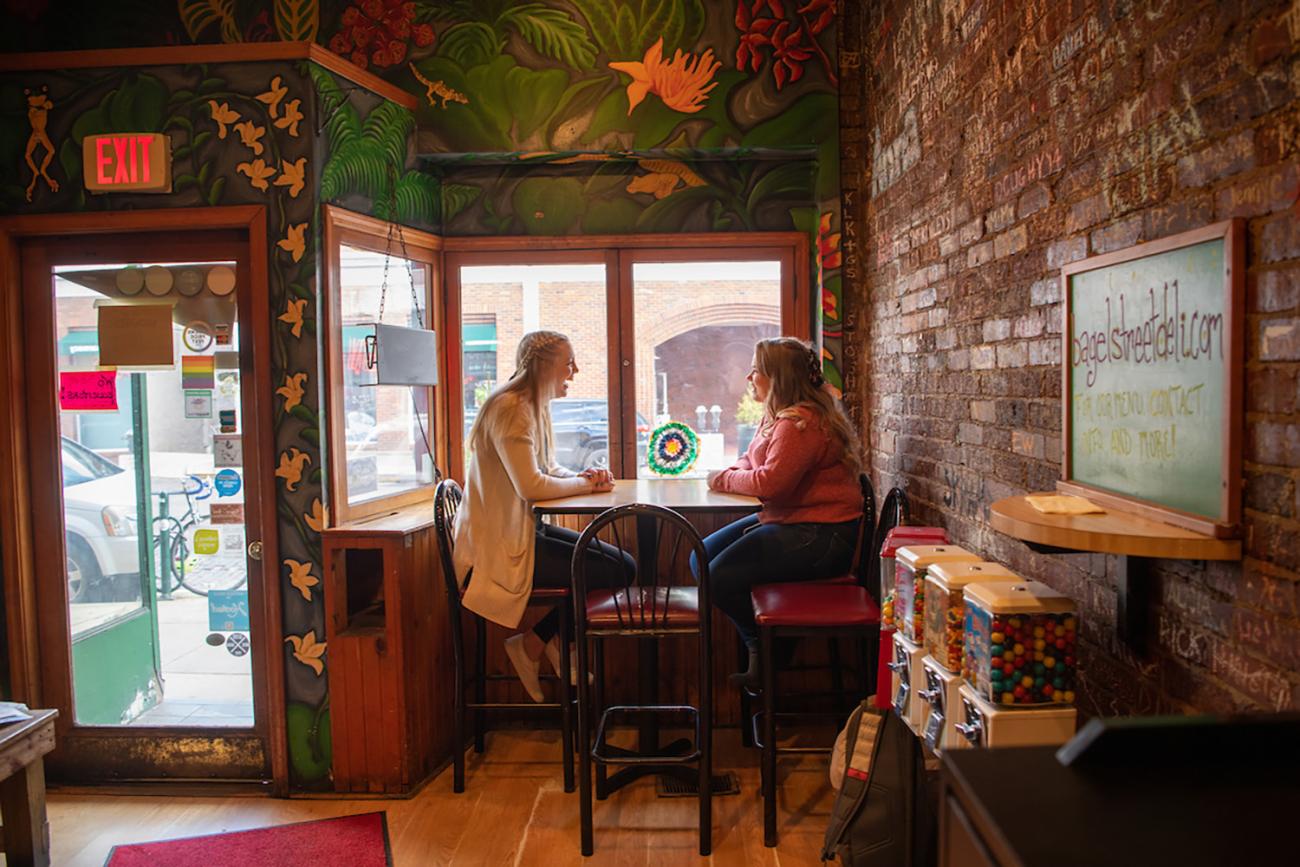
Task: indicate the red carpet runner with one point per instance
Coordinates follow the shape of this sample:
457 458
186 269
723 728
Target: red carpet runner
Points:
347 841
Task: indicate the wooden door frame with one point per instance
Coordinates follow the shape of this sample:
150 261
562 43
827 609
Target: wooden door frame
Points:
17 544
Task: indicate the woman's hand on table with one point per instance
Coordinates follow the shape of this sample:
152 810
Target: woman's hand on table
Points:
713 476
601 480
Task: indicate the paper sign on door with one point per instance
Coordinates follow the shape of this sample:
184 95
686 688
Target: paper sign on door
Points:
88 391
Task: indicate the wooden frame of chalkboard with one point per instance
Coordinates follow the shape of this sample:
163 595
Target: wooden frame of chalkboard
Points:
1160 339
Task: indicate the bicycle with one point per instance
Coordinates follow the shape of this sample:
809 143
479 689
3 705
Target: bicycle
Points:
173 537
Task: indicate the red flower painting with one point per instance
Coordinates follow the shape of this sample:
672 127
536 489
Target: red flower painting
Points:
785 33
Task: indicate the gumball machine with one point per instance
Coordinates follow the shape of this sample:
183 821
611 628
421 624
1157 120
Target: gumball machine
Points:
1020 641
982 724
942 664
906 669
911 565
1018 661
896 538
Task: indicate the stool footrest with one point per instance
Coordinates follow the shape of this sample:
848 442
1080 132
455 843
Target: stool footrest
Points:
612 755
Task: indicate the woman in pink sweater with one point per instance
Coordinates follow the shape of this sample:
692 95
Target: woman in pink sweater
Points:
803 465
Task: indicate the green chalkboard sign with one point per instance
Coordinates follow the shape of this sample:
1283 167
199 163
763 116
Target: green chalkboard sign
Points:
1152 378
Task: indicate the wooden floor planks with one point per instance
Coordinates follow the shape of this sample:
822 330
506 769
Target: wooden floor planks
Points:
513 812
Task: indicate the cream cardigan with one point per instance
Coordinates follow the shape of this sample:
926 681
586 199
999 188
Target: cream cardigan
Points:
495 529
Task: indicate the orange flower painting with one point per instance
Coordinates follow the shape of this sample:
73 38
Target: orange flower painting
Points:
683 85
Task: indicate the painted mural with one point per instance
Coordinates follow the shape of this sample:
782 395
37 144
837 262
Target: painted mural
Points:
587 116
619 115
242 134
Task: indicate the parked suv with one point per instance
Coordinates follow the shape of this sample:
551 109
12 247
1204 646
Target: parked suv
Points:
582 432
99 511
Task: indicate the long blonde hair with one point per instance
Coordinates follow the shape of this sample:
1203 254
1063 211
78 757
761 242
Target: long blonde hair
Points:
535 349
794 369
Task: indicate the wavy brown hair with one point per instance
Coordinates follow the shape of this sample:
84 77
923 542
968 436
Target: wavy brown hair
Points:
795 371
535 349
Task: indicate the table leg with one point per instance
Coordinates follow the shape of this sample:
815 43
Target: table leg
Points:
22 806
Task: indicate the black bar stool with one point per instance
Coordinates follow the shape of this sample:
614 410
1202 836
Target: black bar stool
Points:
446 501
648 605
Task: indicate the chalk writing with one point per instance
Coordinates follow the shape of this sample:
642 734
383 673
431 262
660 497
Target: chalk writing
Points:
888 164
1166 334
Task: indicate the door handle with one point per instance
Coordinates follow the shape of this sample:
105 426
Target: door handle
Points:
255 549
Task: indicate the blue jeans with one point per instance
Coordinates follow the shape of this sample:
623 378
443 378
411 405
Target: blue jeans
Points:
745 554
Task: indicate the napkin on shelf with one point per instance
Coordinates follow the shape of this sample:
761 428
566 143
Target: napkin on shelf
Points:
12 711
1061 504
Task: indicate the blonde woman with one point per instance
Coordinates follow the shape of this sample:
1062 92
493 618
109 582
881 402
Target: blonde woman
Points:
500 551
803 465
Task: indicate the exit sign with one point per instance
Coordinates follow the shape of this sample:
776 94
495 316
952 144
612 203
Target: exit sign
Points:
127 162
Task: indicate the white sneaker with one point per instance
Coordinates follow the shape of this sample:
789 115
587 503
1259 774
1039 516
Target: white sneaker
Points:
553 657
526 667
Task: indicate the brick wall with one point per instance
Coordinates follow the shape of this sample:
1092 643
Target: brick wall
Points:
1001 140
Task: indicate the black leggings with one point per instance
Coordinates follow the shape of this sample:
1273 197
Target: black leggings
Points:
553 567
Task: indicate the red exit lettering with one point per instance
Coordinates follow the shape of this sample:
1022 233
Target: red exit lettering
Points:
123 160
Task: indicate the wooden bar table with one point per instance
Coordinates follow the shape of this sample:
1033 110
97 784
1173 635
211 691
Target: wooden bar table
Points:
690 497
23 745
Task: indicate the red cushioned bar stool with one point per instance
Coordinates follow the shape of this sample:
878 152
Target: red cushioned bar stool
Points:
866 533
834 609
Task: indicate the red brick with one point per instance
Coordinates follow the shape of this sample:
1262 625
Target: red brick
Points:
1276 444
996 329
1087 213
1013 354
1065 251
1117 236
1012 241
1220 160
1272 389
1279 339
1275 290
1267 193
1033 200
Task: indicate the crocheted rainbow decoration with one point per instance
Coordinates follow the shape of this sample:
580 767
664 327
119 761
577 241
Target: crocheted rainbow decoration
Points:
672 449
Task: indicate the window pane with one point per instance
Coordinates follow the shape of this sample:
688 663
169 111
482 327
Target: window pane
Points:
696 326
386 426
500 303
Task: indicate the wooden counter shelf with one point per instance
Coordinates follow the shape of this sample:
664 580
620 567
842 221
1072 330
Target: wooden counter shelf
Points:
390 673
1135 539
1114 532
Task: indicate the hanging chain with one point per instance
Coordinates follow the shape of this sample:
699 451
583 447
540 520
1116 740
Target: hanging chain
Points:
388 254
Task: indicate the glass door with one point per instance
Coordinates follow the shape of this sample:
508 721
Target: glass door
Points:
139 427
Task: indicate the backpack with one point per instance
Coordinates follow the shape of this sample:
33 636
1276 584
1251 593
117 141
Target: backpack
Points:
882 815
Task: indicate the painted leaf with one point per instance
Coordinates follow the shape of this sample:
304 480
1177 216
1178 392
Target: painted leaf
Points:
611 217
297 20
676 212
388 127
342 124
810 121
470 43
456 198
547 206
309 742
532 96
417 198
553 33
786 181
198 15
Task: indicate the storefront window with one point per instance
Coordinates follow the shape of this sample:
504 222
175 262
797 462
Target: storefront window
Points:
383 445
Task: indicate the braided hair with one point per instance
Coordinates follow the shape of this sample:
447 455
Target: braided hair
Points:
535 349
794 368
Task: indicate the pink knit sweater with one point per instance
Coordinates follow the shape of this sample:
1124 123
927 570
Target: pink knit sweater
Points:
797 472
